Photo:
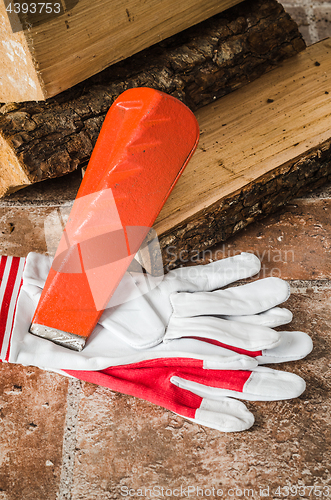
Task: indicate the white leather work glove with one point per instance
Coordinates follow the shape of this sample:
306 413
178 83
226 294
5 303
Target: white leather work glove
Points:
171 318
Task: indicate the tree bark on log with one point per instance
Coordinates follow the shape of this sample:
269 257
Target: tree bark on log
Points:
42 140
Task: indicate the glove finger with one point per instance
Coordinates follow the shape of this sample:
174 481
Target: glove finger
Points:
225 415
261 384
219 273
292 346
277 316
214 357
266 384
249 299
229 333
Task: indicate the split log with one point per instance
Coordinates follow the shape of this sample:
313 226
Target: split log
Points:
260 147
48 48
41 140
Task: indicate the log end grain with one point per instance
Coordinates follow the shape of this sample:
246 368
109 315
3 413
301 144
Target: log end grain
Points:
12 177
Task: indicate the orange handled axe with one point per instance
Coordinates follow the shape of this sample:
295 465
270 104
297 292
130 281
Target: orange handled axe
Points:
145 142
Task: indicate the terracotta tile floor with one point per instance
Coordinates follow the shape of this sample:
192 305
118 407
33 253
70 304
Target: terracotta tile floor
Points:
62 439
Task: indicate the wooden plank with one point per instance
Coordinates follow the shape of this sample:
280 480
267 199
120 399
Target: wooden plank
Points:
244 136
260 146
51 138
56 51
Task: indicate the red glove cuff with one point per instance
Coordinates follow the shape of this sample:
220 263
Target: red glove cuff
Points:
11 271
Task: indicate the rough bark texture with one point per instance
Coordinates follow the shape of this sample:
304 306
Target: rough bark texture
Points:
255 201
198 65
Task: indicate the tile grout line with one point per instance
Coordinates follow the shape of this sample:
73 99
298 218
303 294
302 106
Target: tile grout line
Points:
316 285
311 19
69 440
311 199
312 28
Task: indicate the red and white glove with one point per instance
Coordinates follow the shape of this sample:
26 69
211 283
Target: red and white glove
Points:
181 345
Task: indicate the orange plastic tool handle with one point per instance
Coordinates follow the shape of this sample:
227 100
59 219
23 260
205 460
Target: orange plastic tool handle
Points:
145 142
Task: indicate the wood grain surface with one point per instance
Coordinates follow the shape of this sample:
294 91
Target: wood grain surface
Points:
55 52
